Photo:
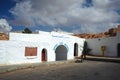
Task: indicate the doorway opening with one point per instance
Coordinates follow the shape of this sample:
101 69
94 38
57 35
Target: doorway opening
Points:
75 49
61 53
44 55
118 50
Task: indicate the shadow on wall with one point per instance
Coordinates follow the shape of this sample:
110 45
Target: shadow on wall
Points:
86 50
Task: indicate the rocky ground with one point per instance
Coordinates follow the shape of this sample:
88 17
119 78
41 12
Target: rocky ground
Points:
88 70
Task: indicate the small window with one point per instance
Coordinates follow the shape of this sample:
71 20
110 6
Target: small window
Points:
30 51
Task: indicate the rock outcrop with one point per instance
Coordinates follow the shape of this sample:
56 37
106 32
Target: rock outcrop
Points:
3 36
110 33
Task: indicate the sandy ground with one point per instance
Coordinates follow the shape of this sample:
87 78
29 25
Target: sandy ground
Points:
88 70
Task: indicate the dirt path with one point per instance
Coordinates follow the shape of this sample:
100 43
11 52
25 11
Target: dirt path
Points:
89 70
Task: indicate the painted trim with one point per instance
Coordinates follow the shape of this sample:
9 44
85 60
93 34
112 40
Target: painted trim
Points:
61 43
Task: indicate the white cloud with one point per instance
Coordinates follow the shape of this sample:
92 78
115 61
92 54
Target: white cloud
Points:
42 12
107 4
96 28
67 13
4 26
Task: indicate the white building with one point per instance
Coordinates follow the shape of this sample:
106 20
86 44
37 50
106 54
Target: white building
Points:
44 46
111 46
53 46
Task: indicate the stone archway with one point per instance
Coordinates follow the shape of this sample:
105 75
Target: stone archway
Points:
61 53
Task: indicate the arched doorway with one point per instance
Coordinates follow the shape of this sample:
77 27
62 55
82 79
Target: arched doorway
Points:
44 55
75 49
61 53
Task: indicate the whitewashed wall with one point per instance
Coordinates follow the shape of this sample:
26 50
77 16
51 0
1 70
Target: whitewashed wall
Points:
69 41
110 43
118 36
13 50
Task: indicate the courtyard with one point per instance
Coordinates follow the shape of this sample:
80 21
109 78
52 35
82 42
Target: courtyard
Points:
88 70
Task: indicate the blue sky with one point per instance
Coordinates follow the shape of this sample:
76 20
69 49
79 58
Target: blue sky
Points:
77 16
